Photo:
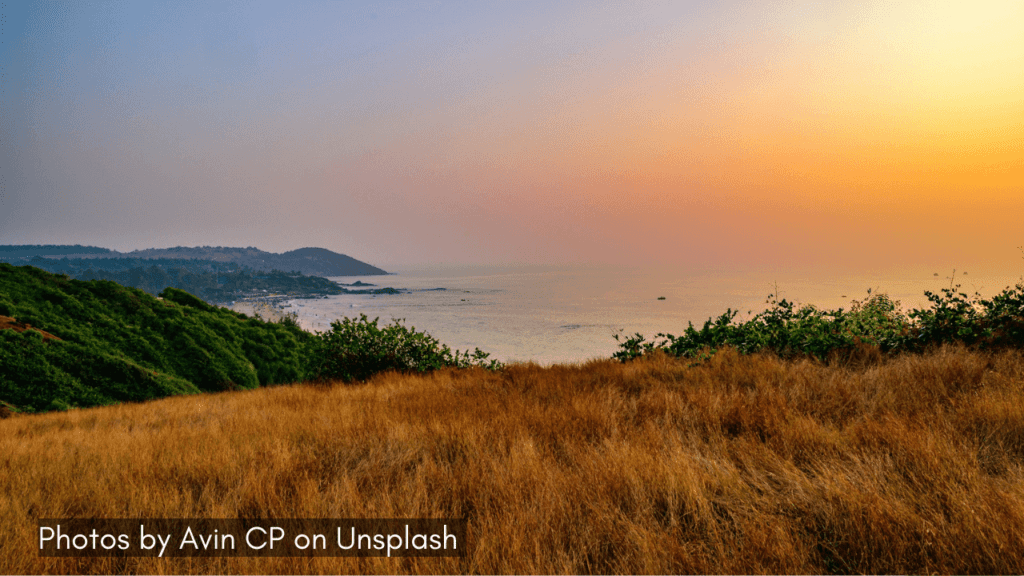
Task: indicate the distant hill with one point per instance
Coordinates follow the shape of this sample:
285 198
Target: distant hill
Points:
323 259
49 250
309 261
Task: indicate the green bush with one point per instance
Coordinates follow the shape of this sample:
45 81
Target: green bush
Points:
972 320
357 349
787 330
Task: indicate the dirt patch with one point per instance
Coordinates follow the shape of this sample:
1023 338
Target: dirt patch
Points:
6 322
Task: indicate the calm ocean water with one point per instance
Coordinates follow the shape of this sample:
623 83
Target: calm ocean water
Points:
571 314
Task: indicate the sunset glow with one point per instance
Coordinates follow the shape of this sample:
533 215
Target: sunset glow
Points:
732 133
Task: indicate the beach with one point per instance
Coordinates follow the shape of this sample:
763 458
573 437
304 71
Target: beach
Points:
266 308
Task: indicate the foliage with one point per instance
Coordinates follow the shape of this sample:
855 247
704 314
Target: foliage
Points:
355 349
69 259
10 252
211 281
878 321
957 317
120 344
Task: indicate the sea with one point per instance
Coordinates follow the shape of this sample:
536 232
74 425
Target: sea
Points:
571 314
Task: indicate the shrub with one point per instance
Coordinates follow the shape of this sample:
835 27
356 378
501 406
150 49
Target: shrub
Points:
787 330
357 349
783 328
972 320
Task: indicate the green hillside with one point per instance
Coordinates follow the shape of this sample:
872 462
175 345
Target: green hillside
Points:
117 344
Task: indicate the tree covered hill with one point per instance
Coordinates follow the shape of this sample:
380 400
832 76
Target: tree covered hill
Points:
214 282
111 343
8 253
310 261
215 274
313 261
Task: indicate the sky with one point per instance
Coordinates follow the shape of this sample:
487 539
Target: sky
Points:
682 133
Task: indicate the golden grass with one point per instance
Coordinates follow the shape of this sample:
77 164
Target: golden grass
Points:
743 465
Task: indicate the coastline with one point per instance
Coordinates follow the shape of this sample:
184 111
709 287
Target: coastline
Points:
264 308
276 308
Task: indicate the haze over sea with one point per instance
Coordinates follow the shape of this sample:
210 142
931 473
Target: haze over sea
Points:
550 314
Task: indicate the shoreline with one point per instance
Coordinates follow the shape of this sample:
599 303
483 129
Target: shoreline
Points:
266 308
276 308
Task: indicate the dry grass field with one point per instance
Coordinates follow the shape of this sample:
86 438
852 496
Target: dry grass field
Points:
741 465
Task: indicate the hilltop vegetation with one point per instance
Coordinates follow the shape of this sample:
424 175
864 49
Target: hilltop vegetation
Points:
75 343
117 344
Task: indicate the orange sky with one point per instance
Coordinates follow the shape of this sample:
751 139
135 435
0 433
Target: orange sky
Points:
795 134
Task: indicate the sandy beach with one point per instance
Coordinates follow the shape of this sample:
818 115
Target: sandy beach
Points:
266 310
